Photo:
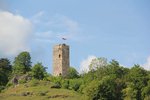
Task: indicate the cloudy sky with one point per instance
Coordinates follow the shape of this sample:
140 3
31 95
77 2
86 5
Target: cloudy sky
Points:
115 29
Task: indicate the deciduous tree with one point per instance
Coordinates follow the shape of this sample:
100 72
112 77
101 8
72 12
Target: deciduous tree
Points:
22 63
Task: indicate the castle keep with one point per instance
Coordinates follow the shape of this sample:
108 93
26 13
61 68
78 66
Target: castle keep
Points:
60 60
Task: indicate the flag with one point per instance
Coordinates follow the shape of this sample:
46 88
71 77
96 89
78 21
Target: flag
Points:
64 38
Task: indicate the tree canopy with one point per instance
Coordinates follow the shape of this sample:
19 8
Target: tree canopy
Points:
104 81
38 71
5 71
22 63
72 73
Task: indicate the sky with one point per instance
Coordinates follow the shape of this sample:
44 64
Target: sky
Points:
114 29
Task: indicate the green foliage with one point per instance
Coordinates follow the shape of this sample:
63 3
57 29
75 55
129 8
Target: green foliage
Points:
146 91
72 73
47 76
56 79
104 81
113 81
130 93
102 90
56 85
65 84
42 93
34 82
5 65
91 88
38 71
22 81
5 71
22 63
75 84
9 84
138 76
2 88
97 63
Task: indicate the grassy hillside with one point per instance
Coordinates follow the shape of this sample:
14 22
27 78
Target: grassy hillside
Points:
39 90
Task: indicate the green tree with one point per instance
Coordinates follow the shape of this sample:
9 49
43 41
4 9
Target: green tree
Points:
5 65
138 76
72 73
5 71
130 92
115 69
146 92
38 71
97 63
22 63
91 89
101 90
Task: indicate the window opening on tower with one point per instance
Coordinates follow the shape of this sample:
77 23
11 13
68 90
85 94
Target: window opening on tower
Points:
59 55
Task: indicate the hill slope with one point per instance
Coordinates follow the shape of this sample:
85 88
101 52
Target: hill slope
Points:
39 90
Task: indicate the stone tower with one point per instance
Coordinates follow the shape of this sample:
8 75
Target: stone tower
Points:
60 60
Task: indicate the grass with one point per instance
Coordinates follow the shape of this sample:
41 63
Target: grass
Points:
39 90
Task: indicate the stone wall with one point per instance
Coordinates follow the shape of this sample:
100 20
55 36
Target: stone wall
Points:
60 59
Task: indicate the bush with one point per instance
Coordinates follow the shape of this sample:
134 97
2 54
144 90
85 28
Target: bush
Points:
74 84
65 84
91 88
2 88
34 82
81 88
22 81
72 73
101 90
56 85
9 84
38 71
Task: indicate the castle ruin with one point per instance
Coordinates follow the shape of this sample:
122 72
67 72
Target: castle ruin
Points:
60 60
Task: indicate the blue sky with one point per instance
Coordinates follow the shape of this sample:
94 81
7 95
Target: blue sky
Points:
115 29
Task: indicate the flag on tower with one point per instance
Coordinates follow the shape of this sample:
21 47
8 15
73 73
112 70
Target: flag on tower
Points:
64 38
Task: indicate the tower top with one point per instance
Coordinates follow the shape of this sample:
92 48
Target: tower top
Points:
61 45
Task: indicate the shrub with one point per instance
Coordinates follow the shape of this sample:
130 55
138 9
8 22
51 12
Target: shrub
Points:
34 82
74 84
38 71
2 88
22 81
9 84
65 84
81 88
72 73
56 85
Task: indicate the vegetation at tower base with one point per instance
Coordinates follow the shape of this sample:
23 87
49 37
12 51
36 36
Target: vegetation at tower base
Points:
72 73
38 71
105 81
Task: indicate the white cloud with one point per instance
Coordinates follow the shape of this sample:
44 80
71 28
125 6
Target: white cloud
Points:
38 17
56 27
71 27
14 33
84 66
147 64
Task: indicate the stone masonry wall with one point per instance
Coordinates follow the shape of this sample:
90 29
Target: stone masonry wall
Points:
60 60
